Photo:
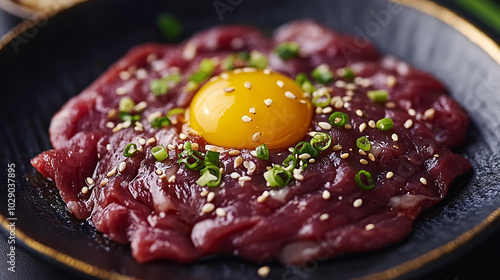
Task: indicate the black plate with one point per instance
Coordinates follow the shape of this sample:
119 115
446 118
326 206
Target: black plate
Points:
47 64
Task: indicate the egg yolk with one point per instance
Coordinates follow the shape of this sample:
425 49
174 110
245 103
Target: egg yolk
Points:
247 107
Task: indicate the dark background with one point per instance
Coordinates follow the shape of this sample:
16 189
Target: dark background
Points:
477 260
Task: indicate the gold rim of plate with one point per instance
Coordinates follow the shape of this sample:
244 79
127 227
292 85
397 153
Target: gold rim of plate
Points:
425 6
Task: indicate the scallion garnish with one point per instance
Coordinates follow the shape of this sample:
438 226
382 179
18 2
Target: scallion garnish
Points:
170 27
161 122
212 158
126 104
175 111
192 159
159 152
348 74
278 176
287 50
210 176
305 148
257 60
321 141
385 124
205 69
158 87
262 152
339 119
290 162
321 97
363 143
124 116
378 96
367 177
303 81
322 74
130 150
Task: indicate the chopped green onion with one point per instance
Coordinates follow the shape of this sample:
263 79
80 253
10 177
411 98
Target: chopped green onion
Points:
191 159
170 27
190 86
212 158
228 62
321 141
322 74
158 87
287 50
205 69
244 55
277 176
126 104
257 60
130 150
339 119
262 152
175 111
385 124
363 143
378 96
348 74
305 148
290 162
303 81
210 176
124 116
321 98
161 122
368 178
159 152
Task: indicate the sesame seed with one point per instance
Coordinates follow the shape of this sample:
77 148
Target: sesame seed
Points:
121 91
429 114
304 156
159 172
344 155
357 203
319 110
249 69
369 227
347 126
290 95
325 125
124 75
252 110
220 212
359 113
234 152
263 271
171 179
138 128
140 106
324 217
141 74
111 173
183 136
235 175
389 175
189 51
224 76
267 71
262 197
108 147
207 208
104 182
171 147
372 124
89 181
238 161
204 193
228 89
195 146
339 84
110 125
280 83
362 127
423 181
141 141
117 128
246 118
338 104
245 179
248 85
326 194
253 153
85 190
371 156
350 86
412 112
363 161
122 166
298 176
436 156
210 196
256 137
268 102
126 124
337 147
394 137
408 124
361 152
390 105
327 110
391 81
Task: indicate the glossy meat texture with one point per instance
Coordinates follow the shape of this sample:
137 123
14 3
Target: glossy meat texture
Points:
158 207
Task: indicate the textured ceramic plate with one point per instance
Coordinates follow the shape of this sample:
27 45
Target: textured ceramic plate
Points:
50 62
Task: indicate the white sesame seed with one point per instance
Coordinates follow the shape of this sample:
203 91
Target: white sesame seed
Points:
245 178
238 161
204 193
110 125
263 271
369 227
207 208
182 136
327 110
389 175
394 137
304 156
339 83
372 124
248 85
290 95
371 156
234 152
391 81
210 196
262 197
140 106
436 156
171 147
253 153
324 217
89 181
267 71
423 181
326 194
246 118
228 89
121 91
235 175
224 76
124 75
122 166
249 69
412 112
127 124
108 147
362 127
359 113
337 147
390 105
85 190
111 173
159 172
325 125
252 110
363 161
344 155
268 102
357 203
104 182
141 74
429 114
347 126
256 137
171 179
280 83
117 128
220 212
408 124
319 110
298 176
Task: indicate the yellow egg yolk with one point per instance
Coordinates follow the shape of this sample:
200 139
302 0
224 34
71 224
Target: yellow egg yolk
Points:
247 107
